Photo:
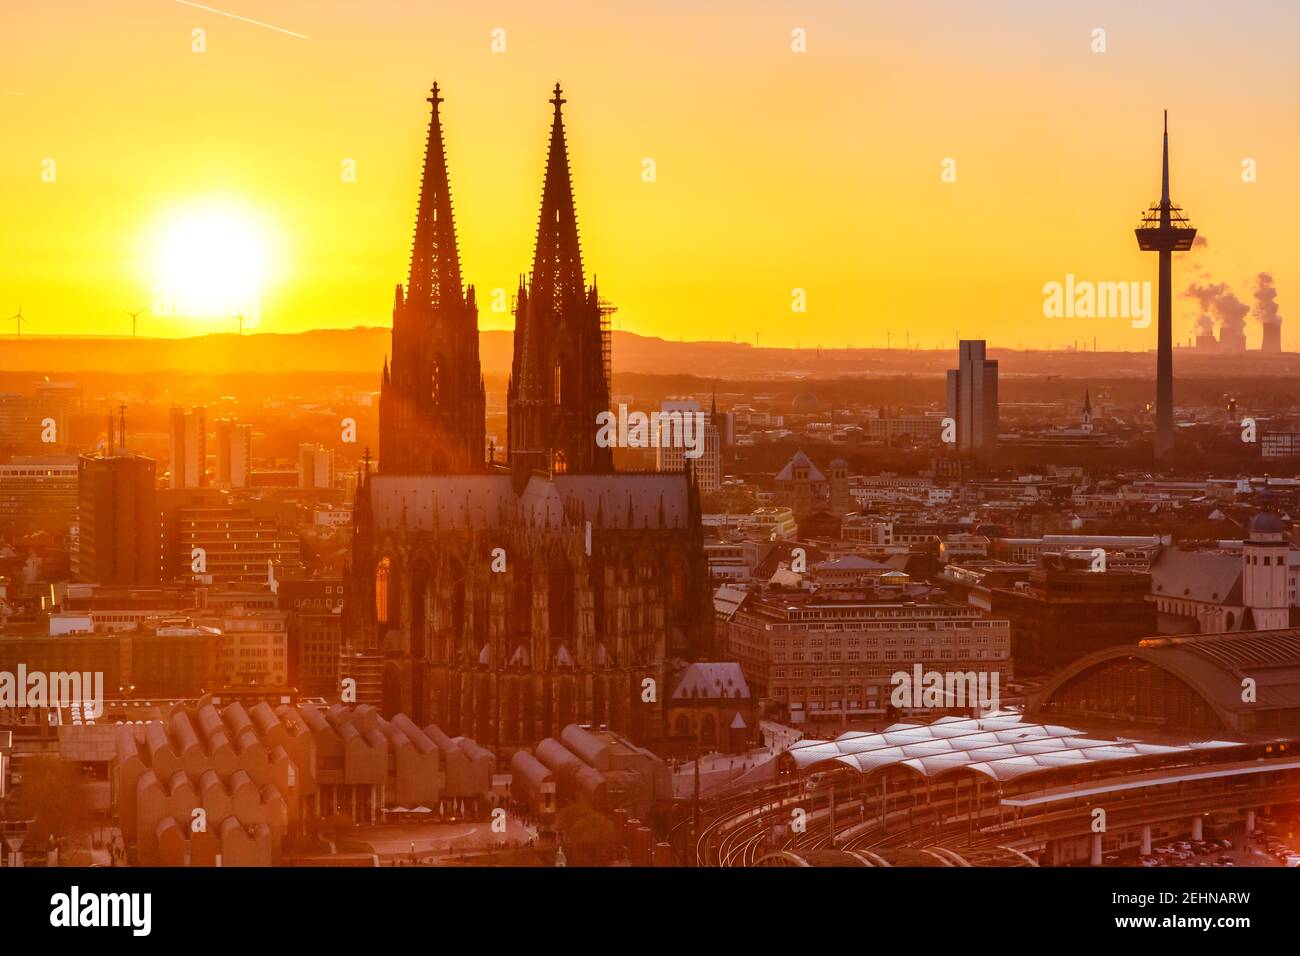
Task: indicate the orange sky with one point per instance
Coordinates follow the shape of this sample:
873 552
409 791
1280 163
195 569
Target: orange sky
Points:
775 170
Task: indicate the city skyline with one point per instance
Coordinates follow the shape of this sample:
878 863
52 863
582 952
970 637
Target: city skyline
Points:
698 252
622 436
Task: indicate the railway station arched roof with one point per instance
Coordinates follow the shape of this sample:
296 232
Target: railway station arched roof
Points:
1002 746
1117 683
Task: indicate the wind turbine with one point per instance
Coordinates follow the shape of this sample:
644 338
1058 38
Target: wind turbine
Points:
19 319
133 316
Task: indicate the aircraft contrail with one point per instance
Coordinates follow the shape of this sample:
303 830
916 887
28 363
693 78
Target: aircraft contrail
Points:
235 16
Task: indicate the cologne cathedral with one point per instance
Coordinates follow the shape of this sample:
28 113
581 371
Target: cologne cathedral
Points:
507 599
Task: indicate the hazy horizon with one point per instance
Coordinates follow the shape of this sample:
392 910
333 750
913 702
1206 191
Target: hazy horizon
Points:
764 182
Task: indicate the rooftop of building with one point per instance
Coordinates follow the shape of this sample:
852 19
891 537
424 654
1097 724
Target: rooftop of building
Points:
800 460
1212 577
712 680
622 500
1219 669
1003 746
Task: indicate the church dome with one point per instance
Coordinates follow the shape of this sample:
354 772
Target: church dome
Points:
1266 522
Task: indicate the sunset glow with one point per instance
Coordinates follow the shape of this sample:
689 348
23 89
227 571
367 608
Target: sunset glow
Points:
211 263
766 178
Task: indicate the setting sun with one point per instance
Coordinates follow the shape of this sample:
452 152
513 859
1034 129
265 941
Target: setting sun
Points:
210 263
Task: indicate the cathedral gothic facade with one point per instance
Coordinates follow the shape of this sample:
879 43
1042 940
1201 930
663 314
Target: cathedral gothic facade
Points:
507 599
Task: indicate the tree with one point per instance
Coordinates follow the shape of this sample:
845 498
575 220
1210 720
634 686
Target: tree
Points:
589 838
53 796
732 501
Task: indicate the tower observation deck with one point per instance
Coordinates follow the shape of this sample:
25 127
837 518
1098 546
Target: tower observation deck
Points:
1165 229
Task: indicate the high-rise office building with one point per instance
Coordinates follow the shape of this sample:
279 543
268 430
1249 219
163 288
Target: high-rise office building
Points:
315 466
234 453
188 447
119 540
208 537
683 423
38 423
973 398
38 493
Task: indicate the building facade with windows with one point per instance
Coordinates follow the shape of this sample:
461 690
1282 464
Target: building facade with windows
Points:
832 655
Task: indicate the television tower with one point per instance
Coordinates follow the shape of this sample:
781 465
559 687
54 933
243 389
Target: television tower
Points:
1165 229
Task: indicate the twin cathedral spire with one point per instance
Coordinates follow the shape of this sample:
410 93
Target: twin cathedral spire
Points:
431 407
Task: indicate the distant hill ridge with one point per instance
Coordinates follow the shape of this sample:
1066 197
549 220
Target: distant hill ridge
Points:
361 350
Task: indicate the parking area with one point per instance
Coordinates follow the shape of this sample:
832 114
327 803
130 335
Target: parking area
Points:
1272 844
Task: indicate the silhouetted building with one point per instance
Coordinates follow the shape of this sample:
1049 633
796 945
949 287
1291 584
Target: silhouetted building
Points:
973 398
558 382
510 601
315 466
118 538
188 447
431 403
234 453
